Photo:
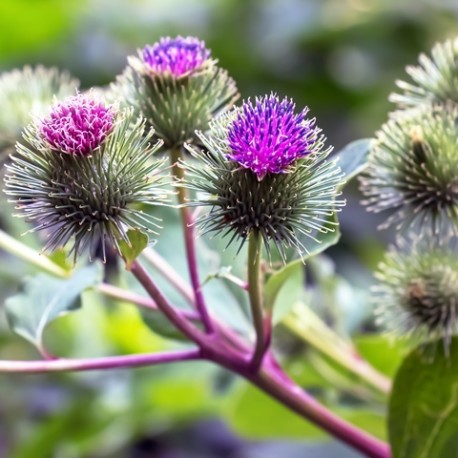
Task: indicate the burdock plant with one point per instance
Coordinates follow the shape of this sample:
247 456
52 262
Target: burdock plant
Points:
90 173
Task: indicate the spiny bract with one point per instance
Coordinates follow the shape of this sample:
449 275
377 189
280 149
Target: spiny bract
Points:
177 87
285 208
87 188
435 79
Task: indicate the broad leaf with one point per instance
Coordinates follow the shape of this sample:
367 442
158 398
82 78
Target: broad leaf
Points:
44 298
423 411
160 325
352 159
285 288
255 415
381 352
138 241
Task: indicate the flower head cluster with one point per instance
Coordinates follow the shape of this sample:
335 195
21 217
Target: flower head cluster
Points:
84 181
28 93
269 136
418 293
412 171
288 209
435 79
177 56
78 125
177 87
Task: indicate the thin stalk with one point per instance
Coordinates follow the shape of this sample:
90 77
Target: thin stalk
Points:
256 299
21 250
186 327
145 302
212 346
169 273
276 383
189 238
309 327
108 362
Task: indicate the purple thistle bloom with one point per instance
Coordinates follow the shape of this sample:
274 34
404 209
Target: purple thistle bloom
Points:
77 125
176 56
268 137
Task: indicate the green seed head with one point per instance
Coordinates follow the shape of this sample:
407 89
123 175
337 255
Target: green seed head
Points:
418 293
28 93
434 80
412 172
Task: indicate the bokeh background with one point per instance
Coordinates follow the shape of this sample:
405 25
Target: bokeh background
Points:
340 58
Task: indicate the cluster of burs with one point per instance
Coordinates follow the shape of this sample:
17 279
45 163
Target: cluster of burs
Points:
94 164
412 176
90 165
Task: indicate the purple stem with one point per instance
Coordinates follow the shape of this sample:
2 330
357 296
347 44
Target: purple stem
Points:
213 347
277 384
189 239
146 302
269 378
109 362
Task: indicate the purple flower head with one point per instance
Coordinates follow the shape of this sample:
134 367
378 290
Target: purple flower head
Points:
268 137
176 56
77 125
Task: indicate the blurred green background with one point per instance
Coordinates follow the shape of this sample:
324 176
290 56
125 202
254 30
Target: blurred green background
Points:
340 58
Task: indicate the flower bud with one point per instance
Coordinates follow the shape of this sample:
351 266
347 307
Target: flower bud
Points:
83 173
177 87
266 171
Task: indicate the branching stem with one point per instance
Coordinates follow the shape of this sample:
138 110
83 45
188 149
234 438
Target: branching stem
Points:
109 362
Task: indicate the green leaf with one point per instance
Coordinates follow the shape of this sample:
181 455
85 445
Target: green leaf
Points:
352 159
423 411
138 241
284 287
222 297
160 325
255 415
381 352
44 298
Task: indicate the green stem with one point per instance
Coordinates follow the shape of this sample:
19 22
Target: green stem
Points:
24 252
256 299
310 328
189 238
19 249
